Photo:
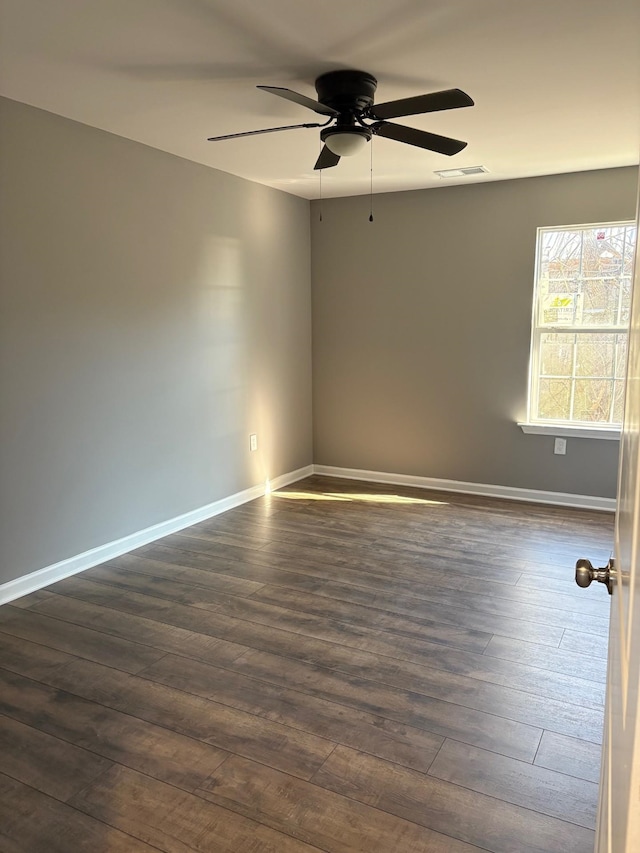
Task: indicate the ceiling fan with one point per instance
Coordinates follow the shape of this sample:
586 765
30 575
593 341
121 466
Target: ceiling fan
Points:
346 98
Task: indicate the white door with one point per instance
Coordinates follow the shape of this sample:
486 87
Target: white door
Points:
619 814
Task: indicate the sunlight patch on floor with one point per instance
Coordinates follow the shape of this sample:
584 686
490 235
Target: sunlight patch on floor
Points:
344 496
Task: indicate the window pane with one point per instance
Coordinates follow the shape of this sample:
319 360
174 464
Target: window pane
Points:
625 306
618 405
621 356
560 254
592 400
554 399
559 309
631 235
595 355
602 251
581 273
556 355
600 302
562 285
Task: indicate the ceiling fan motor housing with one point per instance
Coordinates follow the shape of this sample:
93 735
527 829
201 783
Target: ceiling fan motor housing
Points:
346 91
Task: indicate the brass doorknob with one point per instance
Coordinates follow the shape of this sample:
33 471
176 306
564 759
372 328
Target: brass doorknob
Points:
586 572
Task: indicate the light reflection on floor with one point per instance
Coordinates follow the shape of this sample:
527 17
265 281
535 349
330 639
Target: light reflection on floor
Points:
344 496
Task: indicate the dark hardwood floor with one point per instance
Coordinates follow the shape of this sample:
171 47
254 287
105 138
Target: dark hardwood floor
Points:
335 667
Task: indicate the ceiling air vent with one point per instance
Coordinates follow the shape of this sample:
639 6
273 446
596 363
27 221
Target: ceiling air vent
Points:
461 173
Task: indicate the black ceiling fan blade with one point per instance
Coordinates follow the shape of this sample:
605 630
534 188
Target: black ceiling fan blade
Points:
297 98
256 132
327 159
419 138
448 99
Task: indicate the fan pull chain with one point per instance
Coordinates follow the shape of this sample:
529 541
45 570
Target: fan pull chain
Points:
320 170
371 184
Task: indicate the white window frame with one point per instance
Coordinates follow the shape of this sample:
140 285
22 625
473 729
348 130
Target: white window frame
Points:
540 426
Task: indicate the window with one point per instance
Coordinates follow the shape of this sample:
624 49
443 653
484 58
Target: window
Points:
582 298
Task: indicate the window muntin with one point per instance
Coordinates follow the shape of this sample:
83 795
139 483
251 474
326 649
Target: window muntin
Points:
582 298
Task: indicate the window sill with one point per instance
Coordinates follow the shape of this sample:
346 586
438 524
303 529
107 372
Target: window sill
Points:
608 433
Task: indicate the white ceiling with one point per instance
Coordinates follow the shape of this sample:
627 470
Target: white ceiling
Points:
556 82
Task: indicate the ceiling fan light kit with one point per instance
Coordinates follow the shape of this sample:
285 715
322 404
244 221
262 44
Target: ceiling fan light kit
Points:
345 143
346 100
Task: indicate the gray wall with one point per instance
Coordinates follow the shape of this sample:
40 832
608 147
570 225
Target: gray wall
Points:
153 313
421 330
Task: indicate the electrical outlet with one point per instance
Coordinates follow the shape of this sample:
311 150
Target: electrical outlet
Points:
560 446
253 441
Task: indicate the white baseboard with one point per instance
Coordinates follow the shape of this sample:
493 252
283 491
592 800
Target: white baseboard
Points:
490 491
58 571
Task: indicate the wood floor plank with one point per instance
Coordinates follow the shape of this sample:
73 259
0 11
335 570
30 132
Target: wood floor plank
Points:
467 561
321 624
31 822
229 729
219 585
472 817
332 629
334 501
46 763
278 553
354 602
159 635
245 539
433 557
30 659
273 569
403 744
196 539
266 621
469 507
176 821
470 571
534 787
318 816
565 588
207 577
209 625
452 609
561 660
201 570
496 598
569 755
67 637
510 543
442 694
454 514
122 738
421 528
585 643
28 601
403 674
558 714
438 716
